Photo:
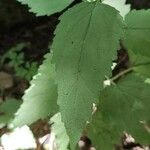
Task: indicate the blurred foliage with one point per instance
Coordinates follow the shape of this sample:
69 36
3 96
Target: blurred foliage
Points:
15 58
7 110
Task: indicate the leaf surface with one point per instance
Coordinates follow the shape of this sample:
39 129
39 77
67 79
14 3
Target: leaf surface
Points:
141 64
137 33
123 107
119 5
40 99
137 40
62 139
46 7
84 46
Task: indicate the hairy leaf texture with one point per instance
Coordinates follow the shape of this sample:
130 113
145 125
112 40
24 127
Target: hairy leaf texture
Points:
46 7
137 32
40 99
119 5
123 107
58 128
84 46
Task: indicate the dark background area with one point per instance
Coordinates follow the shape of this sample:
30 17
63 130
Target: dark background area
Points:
18 25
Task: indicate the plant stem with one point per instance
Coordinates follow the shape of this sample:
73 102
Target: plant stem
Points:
127 71
121 74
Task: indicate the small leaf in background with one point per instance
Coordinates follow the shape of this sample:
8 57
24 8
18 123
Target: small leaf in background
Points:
137 32
140 64
136 40
31 70
14 55
28 71
8 109
40 99
58 128
83 58
16 59
123 107
46 7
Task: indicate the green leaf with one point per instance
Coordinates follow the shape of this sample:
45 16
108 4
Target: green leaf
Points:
101 134
46 7
58 128
143 70
7 110
137 33
137 40
40 99
141 64
119 5
85 44
123 107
